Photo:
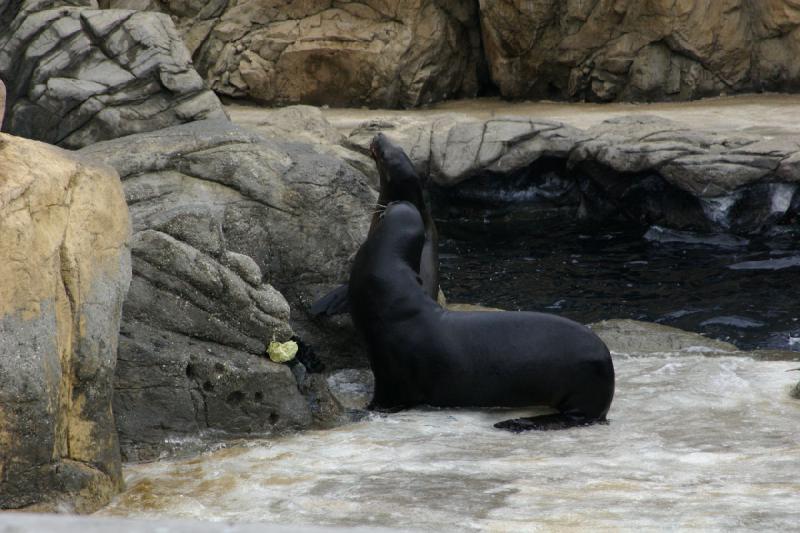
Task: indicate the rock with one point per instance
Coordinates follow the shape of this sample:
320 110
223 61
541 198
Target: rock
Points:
352 387
11 9
629 50
77 75
173 392
2 102
631 336
324 405
796 391
644 168
369 52
64 232
306 124
138 5
223 219
472 308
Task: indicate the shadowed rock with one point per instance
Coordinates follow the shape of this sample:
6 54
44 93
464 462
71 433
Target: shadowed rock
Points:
607 50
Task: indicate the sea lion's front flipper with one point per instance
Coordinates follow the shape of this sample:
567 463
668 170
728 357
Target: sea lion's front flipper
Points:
547 423
333 303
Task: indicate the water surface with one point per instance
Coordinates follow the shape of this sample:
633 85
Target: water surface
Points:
694 442
728 287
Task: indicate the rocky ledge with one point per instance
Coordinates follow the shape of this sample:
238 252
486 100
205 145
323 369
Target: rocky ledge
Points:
647 169
644 168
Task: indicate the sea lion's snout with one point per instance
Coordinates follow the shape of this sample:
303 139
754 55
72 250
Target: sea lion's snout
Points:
376 146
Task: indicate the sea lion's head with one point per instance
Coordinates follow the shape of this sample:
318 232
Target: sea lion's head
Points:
399 179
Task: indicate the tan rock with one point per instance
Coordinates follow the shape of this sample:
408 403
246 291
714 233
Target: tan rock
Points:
370 52
64 234
631 50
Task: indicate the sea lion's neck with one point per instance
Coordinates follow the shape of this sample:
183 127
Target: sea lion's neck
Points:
400 292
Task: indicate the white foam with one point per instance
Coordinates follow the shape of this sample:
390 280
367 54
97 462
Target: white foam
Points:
694 442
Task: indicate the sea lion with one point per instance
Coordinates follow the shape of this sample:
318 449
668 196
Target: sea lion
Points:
399 181
423 354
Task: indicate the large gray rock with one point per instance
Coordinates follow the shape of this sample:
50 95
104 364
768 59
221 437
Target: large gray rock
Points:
631 50
369 52
64 232
173 393
222 218
76 75
304 124
646 168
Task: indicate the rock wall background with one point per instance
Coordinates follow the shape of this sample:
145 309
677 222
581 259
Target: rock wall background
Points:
391 54
377 53
605 50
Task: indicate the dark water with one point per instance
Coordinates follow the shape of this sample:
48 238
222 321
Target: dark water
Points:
744 291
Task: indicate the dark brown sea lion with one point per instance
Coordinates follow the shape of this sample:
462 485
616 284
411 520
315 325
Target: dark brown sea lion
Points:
423 354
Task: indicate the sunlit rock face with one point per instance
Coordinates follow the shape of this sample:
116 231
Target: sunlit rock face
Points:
77 75
223 220
604 50
64 233
371 52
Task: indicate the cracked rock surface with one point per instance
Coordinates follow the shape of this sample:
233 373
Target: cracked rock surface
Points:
645 168
604 50
77 75
370 52
64 233
223 219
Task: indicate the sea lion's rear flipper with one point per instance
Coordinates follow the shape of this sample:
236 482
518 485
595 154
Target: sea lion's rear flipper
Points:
547 423
333 303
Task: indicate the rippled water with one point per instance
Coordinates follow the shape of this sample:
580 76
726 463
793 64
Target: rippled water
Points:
693 442
727 287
